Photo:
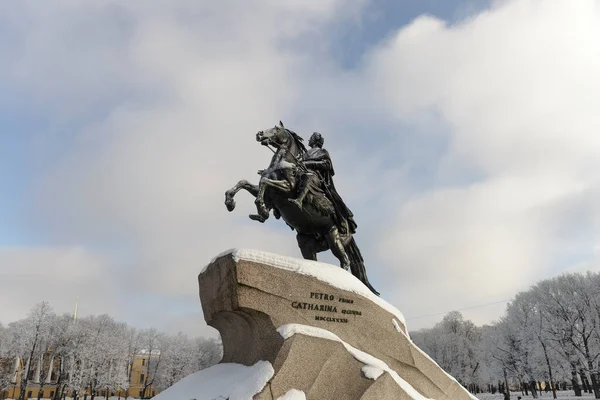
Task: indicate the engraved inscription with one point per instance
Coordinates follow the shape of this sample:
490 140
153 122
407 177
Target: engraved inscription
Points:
314 307
328 308
321 296
331 319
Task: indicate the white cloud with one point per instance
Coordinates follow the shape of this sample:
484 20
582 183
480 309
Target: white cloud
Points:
171 95
517 88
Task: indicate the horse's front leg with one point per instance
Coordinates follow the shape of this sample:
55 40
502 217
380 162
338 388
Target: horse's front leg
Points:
243 184
261 208
265 182
281 185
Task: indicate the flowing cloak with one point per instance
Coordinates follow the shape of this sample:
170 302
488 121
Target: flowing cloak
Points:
318 159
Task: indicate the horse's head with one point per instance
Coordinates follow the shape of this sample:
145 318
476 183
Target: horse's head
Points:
276 136
282 138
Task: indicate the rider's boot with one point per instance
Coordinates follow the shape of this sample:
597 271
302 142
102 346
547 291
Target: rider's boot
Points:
302 192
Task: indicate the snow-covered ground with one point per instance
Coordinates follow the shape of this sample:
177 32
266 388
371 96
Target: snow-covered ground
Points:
227 381
221 381
566 395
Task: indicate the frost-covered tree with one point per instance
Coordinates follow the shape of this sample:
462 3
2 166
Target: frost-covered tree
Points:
103 354
453 344
208 352
154 344
529 315
73 360
6 364
508 350
27 336
523 318
60 348
133 339
183 356
178 361
114 346
569 305
46 354
492 368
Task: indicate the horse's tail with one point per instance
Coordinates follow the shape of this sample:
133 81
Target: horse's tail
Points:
357 264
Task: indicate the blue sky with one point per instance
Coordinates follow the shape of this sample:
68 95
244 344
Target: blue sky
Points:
383 18
460 134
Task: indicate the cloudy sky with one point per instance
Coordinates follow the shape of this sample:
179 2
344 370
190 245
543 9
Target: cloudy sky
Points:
465 136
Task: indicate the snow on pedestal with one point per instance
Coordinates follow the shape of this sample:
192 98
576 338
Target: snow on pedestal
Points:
373 366
332 274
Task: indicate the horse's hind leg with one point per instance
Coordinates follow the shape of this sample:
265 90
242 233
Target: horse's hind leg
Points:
309 246
337 247
230 194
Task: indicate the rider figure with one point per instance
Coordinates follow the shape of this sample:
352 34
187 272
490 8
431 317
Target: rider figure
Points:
318 162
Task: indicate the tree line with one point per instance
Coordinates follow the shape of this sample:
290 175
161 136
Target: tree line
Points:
548 337
93 354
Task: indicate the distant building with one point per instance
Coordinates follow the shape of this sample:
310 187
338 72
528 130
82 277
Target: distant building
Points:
51 387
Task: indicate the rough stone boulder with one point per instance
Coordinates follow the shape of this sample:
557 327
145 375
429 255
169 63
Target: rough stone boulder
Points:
324 333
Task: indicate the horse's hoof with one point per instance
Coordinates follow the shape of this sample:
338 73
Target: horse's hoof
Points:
256 217
230 204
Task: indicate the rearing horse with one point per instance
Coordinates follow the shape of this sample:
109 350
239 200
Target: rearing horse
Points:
315 222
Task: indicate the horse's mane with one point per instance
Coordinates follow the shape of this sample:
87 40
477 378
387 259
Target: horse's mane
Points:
298 140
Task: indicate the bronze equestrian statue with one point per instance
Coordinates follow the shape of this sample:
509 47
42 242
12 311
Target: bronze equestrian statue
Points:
298 187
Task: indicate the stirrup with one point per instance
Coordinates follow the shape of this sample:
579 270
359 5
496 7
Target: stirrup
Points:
296 203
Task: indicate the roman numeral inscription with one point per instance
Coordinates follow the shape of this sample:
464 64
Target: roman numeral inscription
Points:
335 309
